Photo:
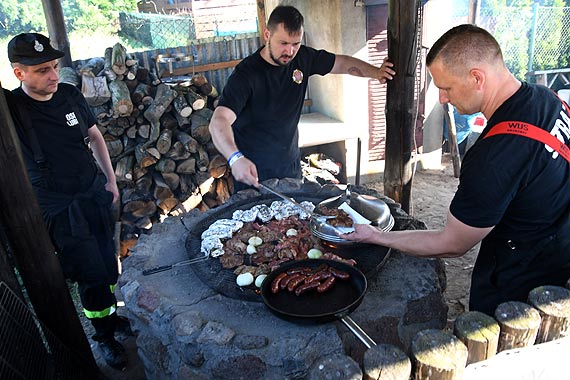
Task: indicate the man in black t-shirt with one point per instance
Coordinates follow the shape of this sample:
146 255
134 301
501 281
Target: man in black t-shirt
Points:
54 124
255 123
514 186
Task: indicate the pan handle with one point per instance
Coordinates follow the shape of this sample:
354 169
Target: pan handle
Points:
356 330
146 272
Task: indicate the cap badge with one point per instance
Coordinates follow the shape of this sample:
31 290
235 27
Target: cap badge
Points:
38 47
297 76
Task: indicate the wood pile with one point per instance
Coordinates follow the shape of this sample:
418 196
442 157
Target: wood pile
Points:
157 136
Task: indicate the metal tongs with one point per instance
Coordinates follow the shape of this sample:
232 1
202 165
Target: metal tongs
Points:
319 219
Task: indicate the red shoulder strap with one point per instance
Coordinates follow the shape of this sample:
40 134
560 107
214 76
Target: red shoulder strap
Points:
520 128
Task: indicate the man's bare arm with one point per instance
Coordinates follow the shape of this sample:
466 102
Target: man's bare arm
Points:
345 64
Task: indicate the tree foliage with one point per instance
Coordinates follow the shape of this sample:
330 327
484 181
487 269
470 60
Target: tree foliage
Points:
17 16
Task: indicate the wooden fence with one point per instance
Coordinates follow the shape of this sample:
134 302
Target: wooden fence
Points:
444 355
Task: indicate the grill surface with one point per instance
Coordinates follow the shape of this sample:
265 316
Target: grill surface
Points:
369 258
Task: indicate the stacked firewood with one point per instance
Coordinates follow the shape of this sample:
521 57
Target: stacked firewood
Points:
157 136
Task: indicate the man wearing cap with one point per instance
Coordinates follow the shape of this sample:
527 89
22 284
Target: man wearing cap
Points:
71 173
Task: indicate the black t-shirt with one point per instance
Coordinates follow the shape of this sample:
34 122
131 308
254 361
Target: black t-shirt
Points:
268 101
512 182
71 163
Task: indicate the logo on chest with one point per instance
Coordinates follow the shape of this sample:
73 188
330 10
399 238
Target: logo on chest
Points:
297 76
71 119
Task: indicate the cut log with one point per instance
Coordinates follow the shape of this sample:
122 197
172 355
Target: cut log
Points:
108 67
183 122
178 152
172 180
166 205
181 106
95 90
187 166
198 80
142 74
144 131
196 101
480 333
200 128
123 171
208 90
189 143
202 161
438 355
165 165
140 208
144 223
114 145
69 75
118 57
188 204
187 184
120 98
144 183
164 141
164 96
168 121
519 324
161 189
222 191
553 304
93 67
101 111
131 132
206 184
132 71
210 201
218 166
145 157
386 362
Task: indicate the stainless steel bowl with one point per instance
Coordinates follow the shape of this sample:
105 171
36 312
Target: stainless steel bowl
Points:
373 209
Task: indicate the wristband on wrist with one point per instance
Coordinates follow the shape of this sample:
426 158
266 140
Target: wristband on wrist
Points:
234 157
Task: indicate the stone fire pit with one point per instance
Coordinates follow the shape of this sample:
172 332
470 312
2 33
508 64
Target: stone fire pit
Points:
185 330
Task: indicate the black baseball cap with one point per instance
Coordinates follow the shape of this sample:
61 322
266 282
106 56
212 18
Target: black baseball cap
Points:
32 49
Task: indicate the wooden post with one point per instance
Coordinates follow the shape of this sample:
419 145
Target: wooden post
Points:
519 324
438 355
553 304
400 112
56 29
385 361
261 22
452 139
480 333
33 252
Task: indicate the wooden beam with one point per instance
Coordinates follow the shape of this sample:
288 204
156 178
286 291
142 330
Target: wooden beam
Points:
56 29
205 67
261 20
33 252
400 109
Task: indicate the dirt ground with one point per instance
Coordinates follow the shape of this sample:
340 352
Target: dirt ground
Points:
432 191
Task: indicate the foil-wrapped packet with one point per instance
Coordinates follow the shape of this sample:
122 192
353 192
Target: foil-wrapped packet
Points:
245 215
212 246
222 228
264 212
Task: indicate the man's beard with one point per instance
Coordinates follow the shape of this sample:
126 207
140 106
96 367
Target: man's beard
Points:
275 59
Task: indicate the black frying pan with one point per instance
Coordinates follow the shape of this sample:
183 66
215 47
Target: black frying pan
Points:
314 307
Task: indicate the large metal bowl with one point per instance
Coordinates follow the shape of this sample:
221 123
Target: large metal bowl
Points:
373 209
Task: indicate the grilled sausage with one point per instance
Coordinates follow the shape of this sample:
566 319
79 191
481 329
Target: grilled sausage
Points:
276 281
301 270
339 274
306 287
295 281
285 281
325 286
319 276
